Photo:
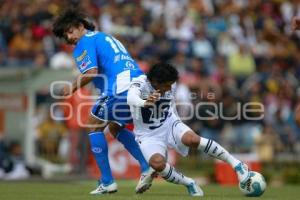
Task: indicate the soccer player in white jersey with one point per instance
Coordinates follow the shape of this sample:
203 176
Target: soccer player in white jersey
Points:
157 127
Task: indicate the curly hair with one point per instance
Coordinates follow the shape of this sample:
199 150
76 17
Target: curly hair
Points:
162 73
70 18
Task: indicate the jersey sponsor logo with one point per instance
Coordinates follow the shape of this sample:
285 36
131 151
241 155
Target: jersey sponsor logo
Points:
126 57
122 57
85 62
80 58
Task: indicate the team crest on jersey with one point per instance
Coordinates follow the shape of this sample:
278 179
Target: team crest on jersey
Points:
168 95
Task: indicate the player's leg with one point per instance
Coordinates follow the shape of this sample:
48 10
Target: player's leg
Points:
128 140
212 148
99 148
170 174
155 152
158 163
119 113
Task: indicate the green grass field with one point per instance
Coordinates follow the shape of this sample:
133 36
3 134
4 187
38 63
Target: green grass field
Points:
72 190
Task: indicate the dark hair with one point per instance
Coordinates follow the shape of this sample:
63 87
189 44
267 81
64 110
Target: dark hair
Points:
162 73
69 18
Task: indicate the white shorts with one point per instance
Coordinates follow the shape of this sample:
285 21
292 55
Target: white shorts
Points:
170 137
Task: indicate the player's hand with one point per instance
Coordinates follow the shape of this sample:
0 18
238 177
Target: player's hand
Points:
152 98
295 23
66 91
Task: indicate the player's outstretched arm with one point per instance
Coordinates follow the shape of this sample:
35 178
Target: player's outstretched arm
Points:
80 81
84 79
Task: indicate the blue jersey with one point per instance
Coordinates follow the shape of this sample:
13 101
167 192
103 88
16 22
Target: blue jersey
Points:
115 66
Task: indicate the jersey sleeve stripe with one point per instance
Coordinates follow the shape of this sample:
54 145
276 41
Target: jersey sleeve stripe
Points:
89 69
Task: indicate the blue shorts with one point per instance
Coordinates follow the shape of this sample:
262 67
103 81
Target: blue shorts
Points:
113 108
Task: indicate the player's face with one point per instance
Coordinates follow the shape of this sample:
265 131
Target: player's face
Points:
73 34
162 87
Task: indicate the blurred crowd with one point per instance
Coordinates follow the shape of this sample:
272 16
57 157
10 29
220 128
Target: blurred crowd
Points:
228 53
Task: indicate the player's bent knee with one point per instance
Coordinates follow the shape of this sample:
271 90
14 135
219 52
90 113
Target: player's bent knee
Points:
157 162
158 166
191 139
195 141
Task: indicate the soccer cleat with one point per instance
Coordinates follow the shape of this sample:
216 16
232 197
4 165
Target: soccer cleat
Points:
242 172
145 181
194 190
104 189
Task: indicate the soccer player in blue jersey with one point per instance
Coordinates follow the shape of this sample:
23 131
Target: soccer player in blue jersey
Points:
103 60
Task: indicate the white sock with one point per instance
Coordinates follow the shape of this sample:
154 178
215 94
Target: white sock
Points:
215 150
171 175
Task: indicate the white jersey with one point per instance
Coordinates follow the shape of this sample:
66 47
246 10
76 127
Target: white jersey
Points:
150 120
